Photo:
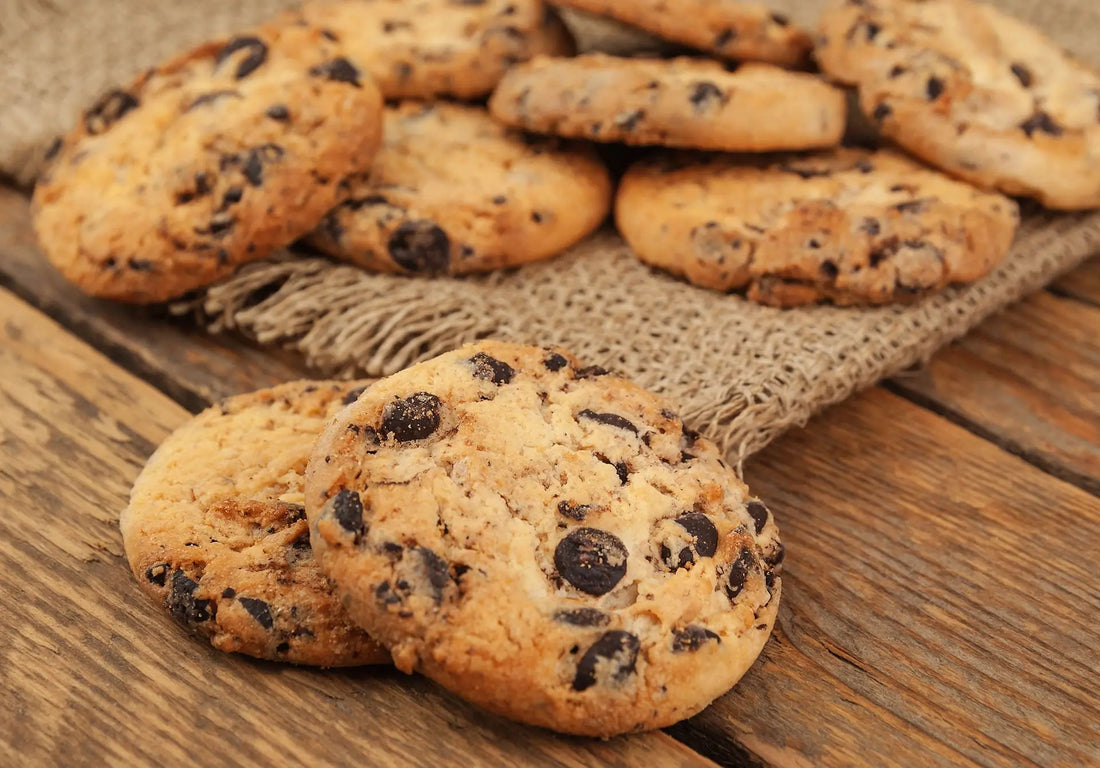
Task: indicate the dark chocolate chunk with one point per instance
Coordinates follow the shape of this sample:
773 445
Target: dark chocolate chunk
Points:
759 514
705 95
253 169
623 471
769 580
229 593
1041 121
881 112
702 531
259 610
933 88
282 647
108 110
1022 73
583 617
692 638
723 38
591 372
278 112
592 560
232 196
491 369
157 573
610 419
739 572
182 603
420 246
574 511
436 570
619 652
353 395
341 70
829 269
555 362
257 54
347 508
776 558
412 418
872 31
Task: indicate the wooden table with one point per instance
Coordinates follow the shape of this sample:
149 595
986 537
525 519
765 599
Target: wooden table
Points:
941 602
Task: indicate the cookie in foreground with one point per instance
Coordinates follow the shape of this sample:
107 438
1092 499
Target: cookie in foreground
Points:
547 540
215 531
682 102
452 191
211 160
849 226
974 91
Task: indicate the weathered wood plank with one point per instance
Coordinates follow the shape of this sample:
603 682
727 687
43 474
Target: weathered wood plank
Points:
939 602
93 674
184 361
1029 379
1082 283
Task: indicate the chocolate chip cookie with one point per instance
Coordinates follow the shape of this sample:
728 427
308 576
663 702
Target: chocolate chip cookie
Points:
545 539
216 158
728 29
675 102
216 533
973 91
848 226
453 191
420 49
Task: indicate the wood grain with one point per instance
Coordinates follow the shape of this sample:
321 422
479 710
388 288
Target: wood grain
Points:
939 602
182 360
93 674
1082 283
1028 378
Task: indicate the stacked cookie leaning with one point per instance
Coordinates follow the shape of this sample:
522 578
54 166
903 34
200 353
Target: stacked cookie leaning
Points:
543 538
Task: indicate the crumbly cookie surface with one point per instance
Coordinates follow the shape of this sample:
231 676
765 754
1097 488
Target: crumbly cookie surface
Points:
216 533
420 49
973 91
213 159
545 539
453 191
727 28
848 226
671 102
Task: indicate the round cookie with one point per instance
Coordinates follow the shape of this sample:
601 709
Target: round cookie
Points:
216 158
973 91
453 191
849 226
728 29
544 539
679 102
216 533
421 49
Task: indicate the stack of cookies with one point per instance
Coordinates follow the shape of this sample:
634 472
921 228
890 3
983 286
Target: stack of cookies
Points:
358 129
540 537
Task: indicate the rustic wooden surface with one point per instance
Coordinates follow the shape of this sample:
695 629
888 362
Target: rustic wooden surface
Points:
939 606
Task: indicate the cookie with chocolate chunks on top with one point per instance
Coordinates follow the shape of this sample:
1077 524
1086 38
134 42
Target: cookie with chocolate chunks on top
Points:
974 91
452 191
210 160
682 102
215 531
545 539
847 226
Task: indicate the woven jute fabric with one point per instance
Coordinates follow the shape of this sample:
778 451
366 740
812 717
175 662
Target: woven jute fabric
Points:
741 372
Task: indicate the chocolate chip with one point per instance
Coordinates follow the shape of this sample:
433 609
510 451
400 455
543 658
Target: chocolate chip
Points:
232 196
140 265
769 580
257 54
555 362
157 573
896 71
499 200
628 121
704 95
574 511
617 650
881 112
759 514
491 369
341 70
780 19
723 38
108 110
610 419
933 88
278 112
1041 121
1023 74
776 558
420 246
347 508
436 570
829 269
328 34
282 647
229 593
183 605
259 610
692 638
872 31
870 226
54 148
739 572
704 541
591 372
412 418
210 98
912 206
583 617
353 395
592 560
253 169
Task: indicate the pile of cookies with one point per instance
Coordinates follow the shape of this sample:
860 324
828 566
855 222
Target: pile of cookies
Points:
283 134
541 537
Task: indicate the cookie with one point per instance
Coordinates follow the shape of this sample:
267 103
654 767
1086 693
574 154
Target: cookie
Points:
544 539
421 49
727 28
215 531
453 191
848 226
671 102
974 92
216 158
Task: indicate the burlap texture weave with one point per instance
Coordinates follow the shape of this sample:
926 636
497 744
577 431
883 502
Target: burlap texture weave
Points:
741 372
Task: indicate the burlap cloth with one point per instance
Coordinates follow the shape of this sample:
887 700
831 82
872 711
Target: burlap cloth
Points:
741 372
